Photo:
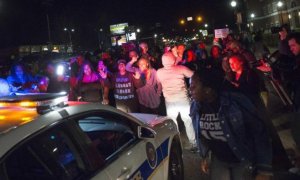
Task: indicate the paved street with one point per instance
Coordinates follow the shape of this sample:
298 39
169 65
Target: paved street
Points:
192 167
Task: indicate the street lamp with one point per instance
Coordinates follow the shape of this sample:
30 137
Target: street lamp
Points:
69 33
237 13
233 3
279 5
205 25
100 37
138 30
182 22
252 15
199 18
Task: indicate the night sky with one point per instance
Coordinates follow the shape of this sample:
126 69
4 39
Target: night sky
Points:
24 21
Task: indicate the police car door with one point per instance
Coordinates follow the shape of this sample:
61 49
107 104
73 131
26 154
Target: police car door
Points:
126 156
137 162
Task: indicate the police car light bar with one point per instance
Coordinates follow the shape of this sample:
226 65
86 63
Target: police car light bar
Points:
43 102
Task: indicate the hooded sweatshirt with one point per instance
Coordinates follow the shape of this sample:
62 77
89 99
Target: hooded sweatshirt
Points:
172 77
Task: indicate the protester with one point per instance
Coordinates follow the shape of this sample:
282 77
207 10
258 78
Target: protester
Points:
283 46
75 64
260 50
55 83
180 51
229 127
245 79
4 90
20 80
201 52
294 44
215 58
145 54
124 84
149 93
90 87
235 47
174 89
103 71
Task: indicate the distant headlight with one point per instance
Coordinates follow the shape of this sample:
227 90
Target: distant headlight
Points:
60 70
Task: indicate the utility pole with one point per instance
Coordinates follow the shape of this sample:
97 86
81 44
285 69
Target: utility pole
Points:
48 27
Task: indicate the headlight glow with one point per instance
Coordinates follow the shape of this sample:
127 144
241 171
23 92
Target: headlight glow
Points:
60 70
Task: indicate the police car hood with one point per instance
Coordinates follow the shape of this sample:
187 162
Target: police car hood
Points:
149 119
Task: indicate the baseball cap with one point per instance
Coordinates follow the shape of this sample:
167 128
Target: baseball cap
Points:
121 61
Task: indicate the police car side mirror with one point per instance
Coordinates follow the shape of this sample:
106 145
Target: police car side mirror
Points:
146 133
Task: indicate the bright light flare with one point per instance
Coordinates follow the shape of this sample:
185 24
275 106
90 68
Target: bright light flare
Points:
27 104
60 70
199 18
233 3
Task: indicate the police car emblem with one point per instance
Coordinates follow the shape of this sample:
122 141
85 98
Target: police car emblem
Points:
151 155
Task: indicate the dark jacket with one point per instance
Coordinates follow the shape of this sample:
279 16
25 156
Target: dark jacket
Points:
245 131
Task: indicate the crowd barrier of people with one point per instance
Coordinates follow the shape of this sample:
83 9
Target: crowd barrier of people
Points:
223 108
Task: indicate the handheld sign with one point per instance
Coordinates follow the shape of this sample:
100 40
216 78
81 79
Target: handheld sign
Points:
221 33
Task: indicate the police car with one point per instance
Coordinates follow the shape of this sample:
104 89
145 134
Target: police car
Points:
42 137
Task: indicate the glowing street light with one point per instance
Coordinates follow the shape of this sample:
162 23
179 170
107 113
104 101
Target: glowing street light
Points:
233 3
182 22
138 30
155 35
69 33
199 18
206 25
252 15
279 4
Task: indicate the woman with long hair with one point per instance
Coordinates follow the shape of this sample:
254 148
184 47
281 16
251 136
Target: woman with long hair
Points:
90 87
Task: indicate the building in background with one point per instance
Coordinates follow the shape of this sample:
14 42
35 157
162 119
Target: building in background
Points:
265 14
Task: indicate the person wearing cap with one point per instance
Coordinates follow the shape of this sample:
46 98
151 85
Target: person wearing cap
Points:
172 78
124 84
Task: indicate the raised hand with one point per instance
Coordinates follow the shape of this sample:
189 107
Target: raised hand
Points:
137 75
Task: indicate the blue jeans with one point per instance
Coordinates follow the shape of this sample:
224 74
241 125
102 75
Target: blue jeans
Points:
229 171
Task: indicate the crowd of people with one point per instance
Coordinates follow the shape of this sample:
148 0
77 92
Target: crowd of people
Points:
221 107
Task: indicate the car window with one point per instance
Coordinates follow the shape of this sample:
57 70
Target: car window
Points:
51 155
107 134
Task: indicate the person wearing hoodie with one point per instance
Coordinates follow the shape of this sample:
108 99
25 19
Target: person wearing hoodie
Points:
175 91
